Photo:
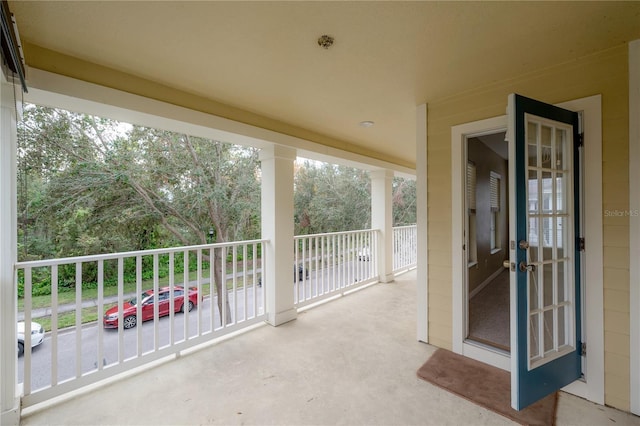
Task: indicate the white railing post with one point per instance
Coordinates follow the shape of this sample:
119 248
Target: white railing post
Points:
9 399
382 220
277 228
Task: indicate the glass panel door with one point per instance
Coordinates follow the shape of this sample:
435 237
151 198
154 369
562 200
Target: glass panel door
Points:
545 302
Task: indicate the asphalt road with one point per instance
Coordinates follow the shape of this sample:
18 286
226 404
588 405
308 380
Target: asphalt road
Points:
41 357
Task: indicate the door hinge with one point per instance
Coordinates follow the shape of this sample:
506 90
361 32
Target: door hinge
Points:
583 349
581 243
580 139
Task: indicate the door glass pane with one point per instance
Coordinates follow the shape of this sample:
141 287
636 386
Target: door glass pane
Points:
547 192
533 196
534 331
532 143
548 331
545 147
562 324
534 292
561 147
546 271
560 281
532 237
560 189
561 236
547 238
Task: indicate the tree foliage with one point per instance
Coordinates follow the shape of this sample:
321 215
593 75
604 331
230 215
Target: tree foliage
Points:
333 198
90 185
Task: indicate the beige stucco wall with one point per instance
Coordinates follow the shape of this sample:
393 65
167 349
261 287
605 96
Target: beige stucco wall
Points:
604 73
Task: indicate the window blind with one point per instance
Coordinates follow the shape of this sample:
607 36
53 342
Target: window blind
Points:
471 186
494 192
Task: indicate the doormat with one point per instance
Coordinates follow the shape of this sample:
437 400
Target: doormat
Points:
485 385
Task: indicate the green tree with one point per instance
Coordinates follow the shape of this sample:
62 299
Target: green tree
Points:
108 187
331 198
404 201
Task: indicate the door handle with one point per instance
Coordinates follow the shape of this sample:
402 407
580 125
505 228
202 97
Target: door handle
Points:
524 267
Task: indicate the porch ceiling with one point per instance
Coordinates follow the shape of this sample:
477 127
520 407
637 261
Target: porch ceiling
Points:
259 62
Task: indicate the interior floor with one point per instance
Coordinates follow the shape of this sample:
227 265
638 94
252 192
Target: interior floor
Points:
489 315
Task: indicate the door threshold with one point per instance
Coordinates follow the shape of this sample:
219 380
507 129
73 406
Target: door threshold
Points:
506 350
486 353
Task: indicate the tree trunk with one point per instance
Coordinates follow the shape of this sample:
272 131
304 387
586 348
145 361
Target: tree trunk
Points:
220 276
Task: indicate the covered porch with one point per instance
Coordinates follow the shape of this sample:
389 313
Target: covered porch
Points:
351 361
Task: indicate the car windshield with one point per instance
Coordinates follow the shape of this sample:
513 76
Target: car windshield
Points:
134 301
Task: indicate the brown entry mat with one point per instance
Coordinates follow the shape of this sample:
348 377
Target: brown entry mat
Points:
487 386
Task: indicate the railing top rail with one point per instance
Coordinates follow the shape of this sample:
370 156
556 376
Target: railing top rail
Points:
297 237
405 226
110 256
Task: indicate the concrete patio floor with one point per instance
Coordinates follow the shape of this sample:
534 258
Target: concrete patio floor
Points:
350 361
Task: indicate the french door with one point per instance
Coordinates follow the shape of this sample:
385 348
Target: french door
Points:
544 249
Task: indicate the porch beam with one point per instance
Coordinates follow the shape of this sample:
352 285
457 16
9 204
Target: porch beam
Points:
277 228
9 399
382 220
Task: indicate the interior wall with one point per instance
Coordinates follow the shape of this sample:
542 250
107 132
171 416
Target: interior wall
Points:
604 73
487 161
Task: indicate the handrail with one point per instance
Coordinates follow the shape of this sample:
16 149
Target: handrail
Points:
111 256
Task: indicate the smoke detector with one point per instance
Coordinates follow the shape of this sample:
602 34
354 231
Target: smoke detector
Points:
325 41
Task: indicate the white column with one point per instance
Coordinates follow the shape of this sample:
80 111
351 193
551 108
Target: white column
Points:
422 273
382 219
277 227
9 400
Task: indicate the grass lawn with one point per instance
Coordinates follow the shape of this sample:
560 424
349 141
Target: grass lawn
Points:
65 297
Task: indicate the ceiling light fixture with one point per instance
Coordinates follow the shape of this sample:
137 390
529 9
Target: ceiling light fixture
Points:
366 123
325 41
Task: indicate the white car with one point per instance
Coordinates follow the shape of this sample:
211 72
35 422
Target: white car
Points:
37 336
364 254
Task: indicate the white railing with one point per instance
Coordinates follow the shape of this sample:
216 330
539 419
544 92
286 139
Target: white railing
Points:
327 265
86 352
405 247
81 350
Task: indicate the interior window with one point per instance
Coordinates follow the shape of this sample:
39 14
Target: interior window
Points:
494 195
472 244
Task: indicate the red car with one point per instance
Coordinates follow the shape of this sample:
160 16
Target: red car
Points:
129 307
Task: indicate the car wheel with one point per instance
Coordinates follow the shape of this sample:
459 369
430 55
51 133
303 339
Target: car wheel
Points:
191 305
20 349
130 321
